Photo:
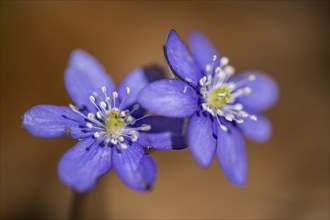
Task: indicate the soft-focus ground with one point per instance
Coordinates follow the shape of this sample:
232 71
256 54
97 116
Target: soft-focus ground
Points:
288 177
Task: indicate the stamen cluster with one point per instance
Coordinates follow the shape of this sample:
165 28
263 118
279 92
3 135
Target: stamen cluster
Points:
110 122
220 94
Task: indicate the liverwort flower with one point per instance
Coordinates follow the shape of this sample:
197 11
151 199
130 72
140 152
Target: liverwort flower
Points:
110 126
221 106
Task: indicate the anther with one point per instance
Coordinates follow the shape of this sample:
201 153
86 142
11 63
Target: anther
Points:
73 108
247 90
218 70
229 70
123 114
224 128
91 98
208 68
129 119
115 95
114 141
89 125
201 83
123 146
96 135
135 107
204 106
224 61
145 127
238 107
128 90
229 117
99 115
253 118
240 121
104 90
91 116
134 137
252 77
243 114
103 105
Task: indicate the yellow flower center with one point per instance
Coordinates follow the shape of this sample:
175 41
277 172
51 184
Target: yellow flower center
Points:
114 123
219 97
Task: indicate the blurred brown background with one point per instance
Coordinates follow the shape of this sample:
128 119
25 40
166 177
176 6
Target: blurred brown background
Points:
288 176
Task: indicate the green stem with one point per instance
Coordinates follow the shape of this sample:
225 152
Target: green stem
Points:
77 206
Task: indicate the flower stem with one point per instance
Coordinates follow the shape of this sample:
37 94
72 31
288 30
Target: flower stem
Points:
77 205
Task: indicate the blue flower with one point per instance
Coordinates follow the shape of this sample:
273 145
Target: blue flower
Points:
109 125
221 106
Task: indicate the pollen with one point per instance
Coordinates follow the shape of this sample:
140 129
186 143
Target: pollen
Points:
219 97
113 122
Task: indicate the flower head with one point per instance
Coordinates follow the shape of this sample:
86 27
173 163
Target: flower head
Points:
221 106
109 124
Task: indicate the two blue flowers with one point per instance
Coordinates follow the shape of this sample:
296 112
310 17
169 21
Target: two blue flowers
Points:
205 107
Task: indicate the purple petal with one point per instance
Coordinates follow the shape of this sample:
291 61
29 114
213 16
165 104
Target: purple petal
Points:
202 49
259 131
201 138
165 134
264 91
172 98
84 163
50 121
180 59
136 169
83 76
136 80
231 155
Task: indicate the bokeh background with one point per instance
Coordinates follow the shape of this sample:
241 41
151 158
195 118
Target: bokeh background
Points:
288 176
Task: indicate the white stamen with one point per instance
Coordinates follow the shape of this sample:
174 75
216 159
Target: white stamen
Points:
219 77
91 98
229 117
238 107
229 70
104 90
123 114
134 137
224 61
123 146
145 127
252 77
240 121
208 68
185 89
247 90
98 120
73 108
95 94
103 105
224 128
91 116
99 115
96 135
107 139
115 95
128 90
253 118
